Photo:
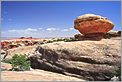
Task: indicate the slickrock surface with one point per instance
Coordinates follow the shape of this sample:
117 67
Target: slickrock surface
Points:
20 50
90 60
5 66
35 75
32 75
93 25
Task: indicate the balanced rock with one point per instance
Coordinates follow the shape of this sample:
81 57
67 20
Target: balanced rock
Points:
91 25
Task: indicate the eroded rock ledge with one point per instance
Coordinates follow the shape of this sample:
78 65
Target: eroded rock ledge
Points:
89 60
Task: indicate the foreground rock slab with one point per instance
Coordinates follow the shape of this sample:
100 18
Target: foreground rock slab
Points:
5 66
90 60
35 75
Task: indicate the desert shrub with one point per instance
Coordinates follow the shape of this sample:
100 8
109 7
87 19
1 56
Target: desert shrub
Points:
6 60
60 39
67 40
70 39
40 43
3 69
54 40
118 73
49 41
107 36
119 32
19 63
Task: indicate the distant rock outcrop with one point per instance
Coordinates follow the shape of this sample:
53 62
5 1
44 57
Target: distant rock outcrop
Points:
22 41
89 60
91 25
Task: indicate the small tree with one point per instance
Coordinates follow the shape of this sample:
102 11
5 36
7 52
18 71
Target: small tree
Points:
20 63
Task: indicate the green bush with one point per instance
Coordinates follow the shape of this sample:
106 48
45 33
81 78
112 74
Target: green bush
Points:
49 41
3 69
70 39
6 60
118 73
19 63
60 39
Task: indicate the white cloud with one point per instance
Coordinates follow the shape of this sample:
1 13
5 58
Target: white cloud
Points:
65 30
12 30
71 28
30 29
51 29
68 29
35 32
2 32
23 30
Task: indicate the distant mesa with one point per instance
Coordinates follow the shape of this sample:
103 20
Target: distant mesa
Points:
93 26
22 38
25 38
22 41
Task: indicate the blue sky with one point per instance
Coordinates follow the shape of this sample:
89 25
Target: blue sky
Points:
52 19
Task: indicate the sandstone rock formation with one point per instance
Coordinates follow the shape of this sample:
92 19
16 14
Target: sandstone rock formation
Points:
92 25
108 35
89 60
22 41
32 75
35 75
5 66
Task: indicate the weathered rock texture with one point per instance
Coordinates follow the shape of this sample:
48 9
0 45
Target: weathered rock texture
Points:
5 66
89 60
18 42
32 75
108 35
24 50
35 75
92 25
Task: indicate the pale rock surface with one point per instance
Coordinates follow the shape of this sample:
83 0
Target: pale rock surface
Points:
35 75
90 60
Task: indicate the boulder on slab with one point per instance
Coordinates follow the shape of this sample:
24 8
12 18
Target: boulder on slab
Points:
91 25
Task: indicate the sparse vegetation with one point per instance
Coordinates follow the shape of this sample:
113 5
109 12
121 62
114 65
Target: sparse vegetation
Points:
107 36
59 39
118 73
50 41
19 63
6 60
40 43
3 69
70 39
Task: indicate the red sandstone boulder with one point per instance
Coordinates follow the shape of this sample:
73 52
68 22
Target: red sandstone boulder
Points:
92 25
